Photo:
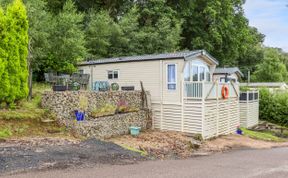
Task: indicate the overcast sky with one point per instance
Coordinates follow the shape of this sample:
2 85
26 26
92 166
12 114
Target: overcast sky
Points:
271 19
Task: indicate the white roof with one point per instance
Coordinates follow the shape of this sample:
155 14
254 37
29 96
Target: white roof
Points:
266 84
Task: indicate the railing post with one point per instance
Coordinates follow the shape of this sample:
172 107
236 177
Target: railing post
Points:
182 111
217 104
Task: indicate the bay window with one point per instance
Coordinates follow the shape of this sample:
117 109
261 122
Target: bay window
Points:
196 72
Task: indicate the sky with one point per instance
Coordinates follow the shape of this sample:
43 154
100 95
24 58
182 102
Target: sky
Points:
270 17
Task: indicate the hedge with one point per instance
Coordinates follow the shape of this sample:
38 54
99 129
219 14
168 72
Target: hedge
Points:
274 107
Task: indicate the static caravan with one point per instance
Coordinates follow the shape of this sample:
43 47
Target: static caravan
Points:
227 74
184 97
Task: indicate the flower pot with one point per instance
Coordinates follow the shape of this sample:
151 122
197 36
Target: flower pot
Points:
134 131
59 88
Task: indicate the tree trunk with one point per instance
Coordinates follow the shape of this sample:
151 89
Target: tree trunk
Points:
30 82
29 62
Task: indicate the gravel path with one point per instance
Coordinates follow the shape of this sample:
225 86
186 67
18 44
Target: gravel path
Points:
24 157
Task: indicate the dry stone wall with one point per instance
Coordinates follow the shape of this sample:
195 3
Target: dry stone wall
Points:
63 105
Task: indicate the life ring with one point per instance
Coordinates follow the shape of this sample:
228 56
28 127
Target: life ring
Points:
225 92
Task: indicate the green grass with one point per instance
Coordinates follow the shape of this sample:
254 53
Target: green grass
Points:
5 133
25 119
27 109
266 136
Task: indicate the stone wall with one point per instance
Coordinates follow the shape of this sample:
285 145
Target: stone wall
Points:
63 105
106 127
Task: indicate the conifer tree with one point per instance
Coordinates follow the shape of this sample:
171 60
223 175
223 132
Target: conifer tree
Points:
5 84
16 47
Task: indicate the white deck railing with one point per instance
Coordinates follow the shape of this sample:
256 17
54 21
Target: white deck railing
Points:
193 89
211 90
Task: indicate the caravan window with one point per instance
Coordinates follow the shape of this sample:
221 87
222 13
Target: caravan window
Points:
202 73
171 76
195 73
187 72
113 74
208 76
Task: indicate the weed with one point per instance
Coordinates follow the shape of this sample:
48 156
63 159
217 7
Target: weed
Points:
5 133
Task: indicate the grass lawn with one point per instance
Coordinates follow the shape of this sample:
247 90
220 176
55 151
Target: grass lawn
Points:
266 136
28 119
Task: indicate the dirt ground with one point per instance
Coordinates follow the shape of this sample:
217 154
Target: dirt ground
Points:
164 144
228 142
159 144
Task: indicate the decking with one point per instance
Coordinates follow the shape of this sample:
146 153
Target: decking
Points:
201 111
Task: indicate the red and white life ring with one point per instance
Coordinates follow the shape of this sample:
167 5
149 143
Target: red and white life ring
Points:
225 92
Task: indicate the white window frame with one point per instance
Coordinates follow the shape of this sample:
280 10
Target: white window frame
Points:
205 70
113 71
175 77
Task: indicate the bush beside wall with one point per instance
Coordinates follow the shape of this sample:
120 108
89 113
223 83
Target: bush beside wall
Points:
273 107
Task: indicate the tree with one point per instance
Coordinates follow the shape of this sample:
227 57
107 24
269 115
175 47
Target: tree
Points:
272 69
19 13
129 25
159 28
14 76
154 29
68 40
5 84
115 8
39 34
219 26
101 33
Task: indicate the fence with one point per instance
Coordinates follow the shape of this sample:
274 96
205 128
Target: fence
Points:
249 108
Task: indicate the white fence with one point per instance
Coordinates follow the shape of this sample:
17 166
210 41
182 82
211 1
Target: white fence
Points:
202 110
249 108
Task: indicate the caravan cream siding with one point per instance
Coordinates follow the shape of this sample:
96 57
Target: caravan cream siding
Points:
172 96
151 73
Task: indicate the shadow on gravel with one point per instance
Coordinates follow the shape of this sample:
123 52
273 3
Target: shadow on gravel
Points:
87 153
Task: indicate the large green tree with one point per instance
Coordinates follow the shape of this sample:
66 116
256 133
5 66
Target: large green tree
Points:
115 8
40 30
101 34
68 39
219 26
272 69
160 29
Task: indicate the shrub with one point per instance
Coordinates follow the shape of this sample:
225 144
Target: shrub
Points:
274 107
106 110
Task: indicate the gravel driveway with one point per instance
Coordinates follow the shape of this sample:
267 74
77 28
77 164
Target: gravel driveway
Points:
24 157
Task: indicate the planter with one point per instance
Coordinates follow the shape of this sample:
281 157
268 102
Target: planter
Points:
59 88
134 131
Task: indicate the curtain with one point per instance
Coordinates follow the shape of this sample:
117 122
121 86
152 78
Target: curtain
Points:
171 73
